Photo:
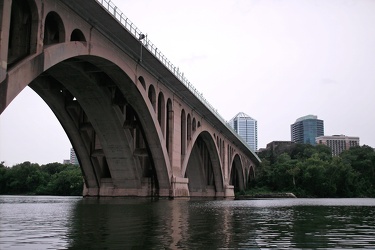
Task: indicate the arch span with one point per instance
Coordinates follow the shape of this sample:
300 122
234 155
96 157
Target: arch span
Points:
202 166
94 102
237 174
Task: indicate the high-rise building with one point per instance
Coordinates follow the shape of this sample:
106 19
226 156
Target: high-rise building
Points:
73 157
338 143
247 128
306 129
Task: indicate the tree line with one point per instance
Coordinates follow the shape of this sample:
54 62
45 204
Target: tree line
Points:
33 179
312 171
305 170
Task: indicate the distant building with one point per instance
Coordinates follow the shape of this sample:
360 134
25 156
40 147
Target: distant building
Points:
306 129
247 128
66 161
73 157
338 143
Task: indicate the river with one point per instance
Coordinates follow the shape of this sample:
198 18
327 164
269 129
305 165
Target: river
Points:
45 222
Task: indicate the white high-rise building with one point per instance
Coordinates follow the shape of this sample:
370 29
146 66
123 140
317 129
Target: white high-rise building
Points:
73 157
247 128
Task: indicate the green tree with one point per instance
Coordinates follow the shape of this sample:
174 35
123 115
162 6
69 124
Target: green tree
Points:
50 179
313 175
343 177
362 160
53 168
282 178
24 178
66 182
3 178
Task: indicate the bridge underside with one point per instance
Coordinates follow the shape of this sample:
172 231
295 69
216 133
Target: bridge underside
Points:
104 128
203 169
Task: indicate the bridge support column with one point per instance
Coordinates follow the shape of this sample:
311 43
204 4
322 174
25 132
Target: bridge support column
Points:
179 187
87 192
229 191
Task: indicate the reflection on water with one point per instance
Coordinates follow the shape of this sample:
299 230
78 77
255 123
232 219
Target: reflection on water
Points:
31 222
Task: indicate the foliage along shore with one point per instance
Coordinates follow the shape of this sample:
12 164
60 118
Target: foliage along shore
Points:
266 196
50 179
301 169
312 171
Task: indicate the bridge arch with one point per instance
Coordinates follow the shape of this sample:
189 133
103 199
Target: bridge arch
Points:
202 166
237 174
251 176
117 88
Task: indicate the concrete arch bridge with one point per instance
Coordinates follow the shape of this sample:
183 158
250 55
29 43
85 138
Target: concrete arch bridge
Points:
137 125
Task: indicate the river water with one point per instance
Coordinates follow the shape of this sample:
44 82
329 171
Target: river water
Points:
43 222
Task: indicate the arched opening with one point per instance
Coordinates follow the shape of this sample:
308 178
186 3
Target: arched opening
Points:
161 112
251 177
142 81
188 128
169 127
236 175
77 35
219 144
194 124
22 33
203 168
103 126
54 31
152 96
32 142
183 134
222 151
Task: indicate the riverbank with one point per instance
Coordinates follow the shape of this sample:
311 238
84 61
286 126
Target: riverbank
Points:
266 196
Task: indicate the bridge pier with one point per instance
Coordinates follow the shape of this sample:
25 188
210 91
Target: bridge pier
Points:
179 187
229 191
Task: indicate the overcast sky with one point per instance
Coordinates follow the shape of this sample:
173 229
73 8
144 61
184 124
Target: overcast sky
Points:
275 60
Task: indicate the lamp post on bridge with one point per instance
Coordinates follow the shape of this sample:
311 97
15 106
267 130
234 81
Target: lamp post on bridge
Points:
140 38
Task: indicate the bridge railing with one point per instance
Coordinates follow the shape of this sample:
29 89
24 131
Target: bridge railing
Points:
129 26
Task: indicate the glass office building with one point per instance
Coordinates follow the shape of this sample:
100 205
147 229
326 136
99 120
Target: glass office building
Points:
247 128
306 129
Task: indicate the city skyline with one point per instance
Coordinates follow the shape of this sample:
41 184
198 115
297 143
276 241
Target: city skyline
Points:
274 60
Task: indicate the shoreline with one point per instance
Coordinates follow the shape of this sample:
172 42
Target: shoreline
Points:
266 196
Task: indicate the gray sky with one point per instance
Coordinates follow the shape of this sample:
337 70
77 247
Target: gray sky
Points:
275 60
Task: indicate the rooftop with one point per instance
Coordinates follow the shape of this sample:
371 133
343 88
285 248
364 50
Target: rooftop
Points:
242 115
